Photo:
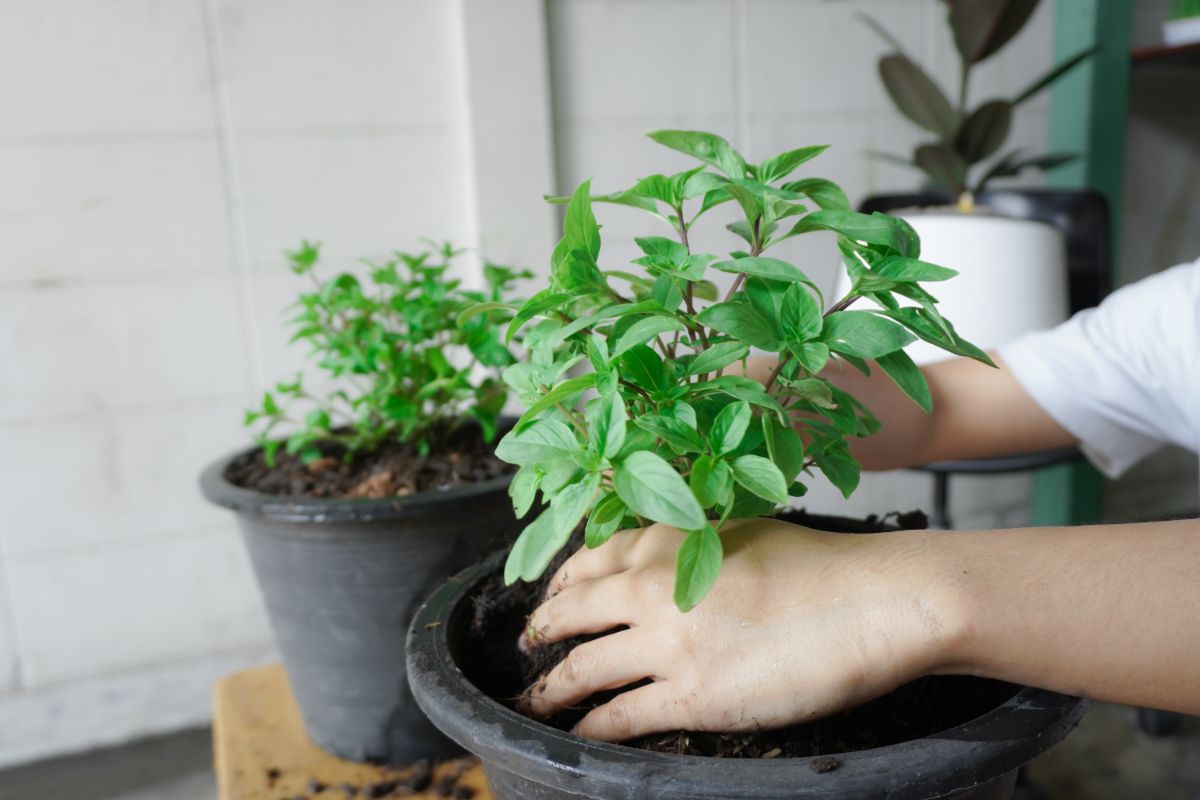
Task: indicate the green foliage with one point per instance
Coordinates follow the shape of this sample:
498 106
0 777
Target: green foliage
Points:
966 137
398 366
637 406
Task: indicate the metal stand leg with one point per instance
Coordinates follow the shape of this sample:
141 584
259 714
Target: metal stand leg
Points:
941 501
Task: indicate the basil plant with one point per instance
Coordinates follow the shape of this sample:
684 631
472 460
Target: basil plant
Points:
637 408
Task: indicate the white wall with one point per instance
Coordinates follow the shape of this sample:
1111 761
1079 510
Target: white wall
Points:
156 158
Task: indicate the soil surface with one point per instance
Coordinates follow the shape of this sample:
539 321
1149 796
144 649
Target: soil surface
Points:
393 470
492 661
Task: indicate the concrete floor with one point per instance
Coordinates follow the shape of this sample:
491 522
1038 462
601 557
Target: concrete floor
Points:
1107 758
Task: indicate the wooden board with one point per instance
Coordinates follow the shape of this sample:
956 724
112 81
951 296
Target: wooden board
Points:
262 752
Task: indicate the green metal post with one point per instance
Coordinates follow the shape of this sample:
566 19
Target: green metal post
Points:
1087 116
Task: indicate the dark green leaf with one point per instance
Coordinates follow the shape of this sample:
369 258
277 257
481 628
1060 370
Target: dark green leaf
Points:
981 27
1050 77
643 367
811 355
878 229
919 322
824 193
944 166
907 270
917 96
984 130
784 446
839 467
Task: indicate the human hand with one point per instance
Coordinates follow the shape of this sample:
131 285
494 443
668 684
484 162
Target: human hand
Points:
800 624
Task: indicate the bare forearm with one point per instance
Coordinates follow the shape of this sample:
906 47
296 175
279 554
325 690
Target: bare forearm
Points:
1110 612
977 411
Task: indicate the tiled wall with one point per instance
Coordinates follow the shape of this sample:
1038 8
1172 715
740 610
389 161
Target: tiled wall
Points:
156 158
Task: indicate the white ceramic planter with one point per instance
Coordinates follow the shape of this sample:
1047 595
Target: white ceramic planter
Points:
1178 32
1012 276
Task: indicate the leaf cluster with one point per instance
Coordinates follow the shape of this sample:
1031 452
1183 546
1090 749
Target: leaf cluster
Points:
638 409
966 137
397 366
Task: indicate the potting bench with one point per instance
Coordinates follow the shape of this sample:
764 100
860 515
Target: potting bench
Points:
261 751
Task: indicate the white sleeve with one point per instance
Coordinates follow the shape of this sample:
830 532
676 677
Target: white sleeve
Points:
1122 377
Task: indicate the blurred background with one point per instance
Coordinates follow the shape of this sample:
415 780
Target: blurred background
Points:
157 157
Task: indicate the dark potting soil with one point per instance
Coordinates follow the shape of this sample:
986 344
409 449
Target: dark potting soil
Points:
492 661
392 470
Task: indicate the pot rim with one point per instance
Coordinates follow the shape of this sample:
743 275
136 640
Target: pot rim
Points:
969 754
285 508
981 213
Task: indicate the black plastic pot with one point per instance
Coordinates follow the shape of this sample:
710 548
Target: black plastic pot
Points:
342 579
526 760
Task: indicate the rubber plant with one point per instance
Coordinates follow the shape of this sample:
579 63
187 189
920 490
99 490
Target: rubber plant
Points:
965 136
637 406
396 366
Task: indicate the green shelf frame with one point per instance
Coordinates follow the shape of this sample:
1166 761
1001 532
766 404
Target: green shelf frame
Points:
1087 116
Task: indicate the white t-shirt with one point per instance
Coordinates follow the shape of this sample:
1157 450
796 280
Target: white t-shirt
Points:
1123 378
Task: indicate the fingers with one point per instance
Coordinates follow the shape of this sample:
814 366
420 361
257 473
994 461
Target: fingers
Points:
647 709
589 564
609 662
592 607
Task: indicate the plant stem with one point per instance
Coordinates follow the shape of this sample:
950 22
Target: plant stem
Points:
579 426
775 372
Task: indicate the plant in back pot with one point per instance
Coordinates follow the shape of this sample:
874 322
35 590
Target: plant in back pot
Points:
637 413
365 493
984 245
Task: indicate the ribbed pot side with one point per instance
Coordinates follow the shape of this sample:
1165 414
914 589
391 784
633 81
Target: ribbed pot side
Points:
341 580
526 760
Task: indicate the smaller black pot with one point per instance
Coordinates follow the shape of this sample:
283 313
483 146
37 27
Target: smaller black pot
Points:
526 760
341 579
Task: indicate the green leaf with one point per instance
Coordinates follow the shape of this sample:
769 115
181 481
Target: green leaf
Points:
541 302
919 322
625 198
643 367
762 477
675 432
696 567
544 440
814 390
716 357
607 424
711 481
917 96
800 316
784 446
740 388
604 521
533 550
891 233
763 267
863 334
643 331
908 376
708 147
729 428
984 130
811 355
839 467
482 308
909 270
981 27
562 393
523 489
824 193
666 293
580 231
740 321
653 489
784 164
1053 75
